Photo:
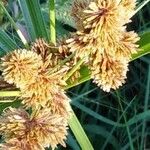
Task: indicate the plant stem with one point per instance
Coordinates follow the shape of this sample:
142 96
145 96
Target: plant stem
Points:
9 93
15 26
74 69
52 22
79 133
142 4
61 64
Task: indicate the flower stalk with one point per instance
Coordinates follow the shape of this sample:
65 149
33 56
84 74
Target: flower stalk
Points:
52 21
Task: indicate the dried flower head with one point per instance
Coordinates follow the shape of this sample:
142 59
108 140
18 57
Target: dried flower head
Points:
103 16
37 131
50 53
109 73
20 67
41 47
43 89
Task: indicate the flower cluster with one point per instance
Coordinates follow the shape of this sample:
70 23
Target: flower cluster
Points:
37 74
25 132
106 47
102 38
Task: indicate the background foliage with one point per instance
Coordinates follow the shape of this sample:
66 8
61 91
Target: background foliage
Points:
118 120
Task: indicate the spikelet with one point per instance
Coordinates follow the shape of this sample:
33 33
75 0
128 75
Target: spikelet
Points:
41 47
41 130
51 54
47 51
108 73
20 67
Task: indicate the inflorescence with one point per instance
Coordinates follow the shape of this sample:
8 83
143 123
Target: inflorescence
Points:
104 44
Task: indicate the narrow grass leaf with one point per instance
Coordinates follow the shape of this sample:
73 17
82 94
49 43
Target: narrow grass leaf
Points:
33 19
6 43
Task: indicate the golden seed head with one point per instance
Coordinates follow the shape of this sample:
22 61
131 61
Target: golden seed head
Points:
103 15
20 67
109 73
41 130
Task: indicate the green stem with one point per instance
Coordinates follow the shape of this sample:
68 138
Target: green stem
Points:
52 21
14 25
74 69
142 4
79 133
9 93
61 64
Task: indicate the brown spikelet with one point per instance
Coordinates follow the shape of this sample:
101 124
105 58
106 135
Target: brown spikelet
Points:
50 53
6 86
41 47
